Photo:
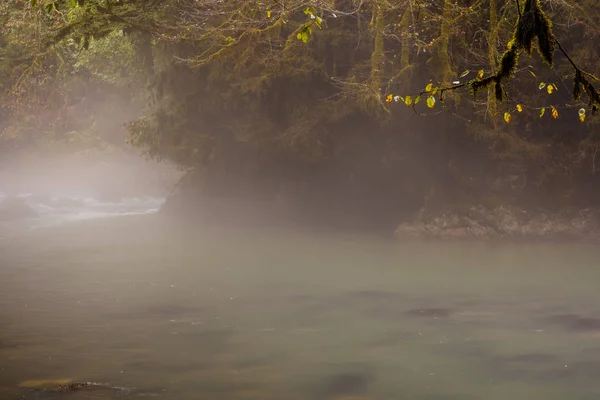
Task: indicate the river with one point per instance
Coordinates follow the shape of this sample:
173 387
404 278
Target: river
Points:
148 307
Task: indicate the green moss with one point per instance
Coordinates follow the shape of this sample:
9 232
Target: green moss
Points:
533 23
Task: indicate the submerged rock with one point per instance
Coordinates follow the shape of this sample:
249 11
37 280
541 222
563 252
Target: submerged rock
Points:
47 384
576 323
502 223
67 386
58 385
70 387
345 385
15 208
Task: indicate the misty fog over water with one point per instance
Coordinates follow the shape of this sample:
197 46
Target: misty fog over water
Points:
69 189
99 288
146 306
299 200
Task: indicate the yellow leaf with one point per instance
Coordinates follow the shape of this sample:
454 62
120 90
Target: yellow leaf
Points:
408 100
519 108
507 117
550 89
542 112
554 112
582 117
389 98
534 75
542 85
480 74
429 87
269 14
431 102
418 99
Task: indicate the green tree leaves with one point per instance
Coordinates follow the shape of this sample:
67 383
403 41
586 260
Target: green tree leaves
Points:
306 29
430 101
304 34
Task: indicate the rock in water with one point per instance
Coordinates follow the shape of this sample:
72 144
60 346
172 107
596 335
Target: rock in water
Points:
14 208
70 387
63 385
47 384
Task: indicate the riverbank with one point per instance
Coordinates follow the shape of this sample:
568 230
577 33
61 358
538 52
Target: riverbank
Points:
503 223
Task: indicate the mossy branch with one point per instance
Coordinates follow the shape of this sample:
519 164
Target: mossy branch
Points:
532 24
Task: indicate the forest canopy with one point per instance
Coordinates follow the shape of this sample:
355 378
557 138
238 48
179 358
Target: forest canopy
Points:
499 96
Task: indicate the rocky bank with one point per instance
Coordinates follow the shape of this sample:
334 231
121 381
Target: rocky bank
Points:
211 198
503 222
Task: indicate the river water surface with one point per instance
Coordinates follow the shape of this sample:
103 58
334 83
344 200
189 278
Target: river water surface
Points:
153 309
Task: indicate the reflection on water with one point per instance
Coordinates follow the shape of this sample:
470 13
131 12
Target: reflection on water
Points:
147 309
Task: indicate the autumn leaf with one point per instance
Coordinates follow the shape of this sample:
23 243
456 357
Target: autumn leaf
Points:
533 74
480 74
429 87
519 108
554 112
465 73
551 88
431 102
408 100
507 117
542 85
542 112
582 114
389 98
418 99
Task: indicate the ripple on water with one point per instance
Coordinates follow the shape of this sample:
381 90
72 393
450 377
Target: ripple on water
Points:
575 322
8 345
430 312
344 384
